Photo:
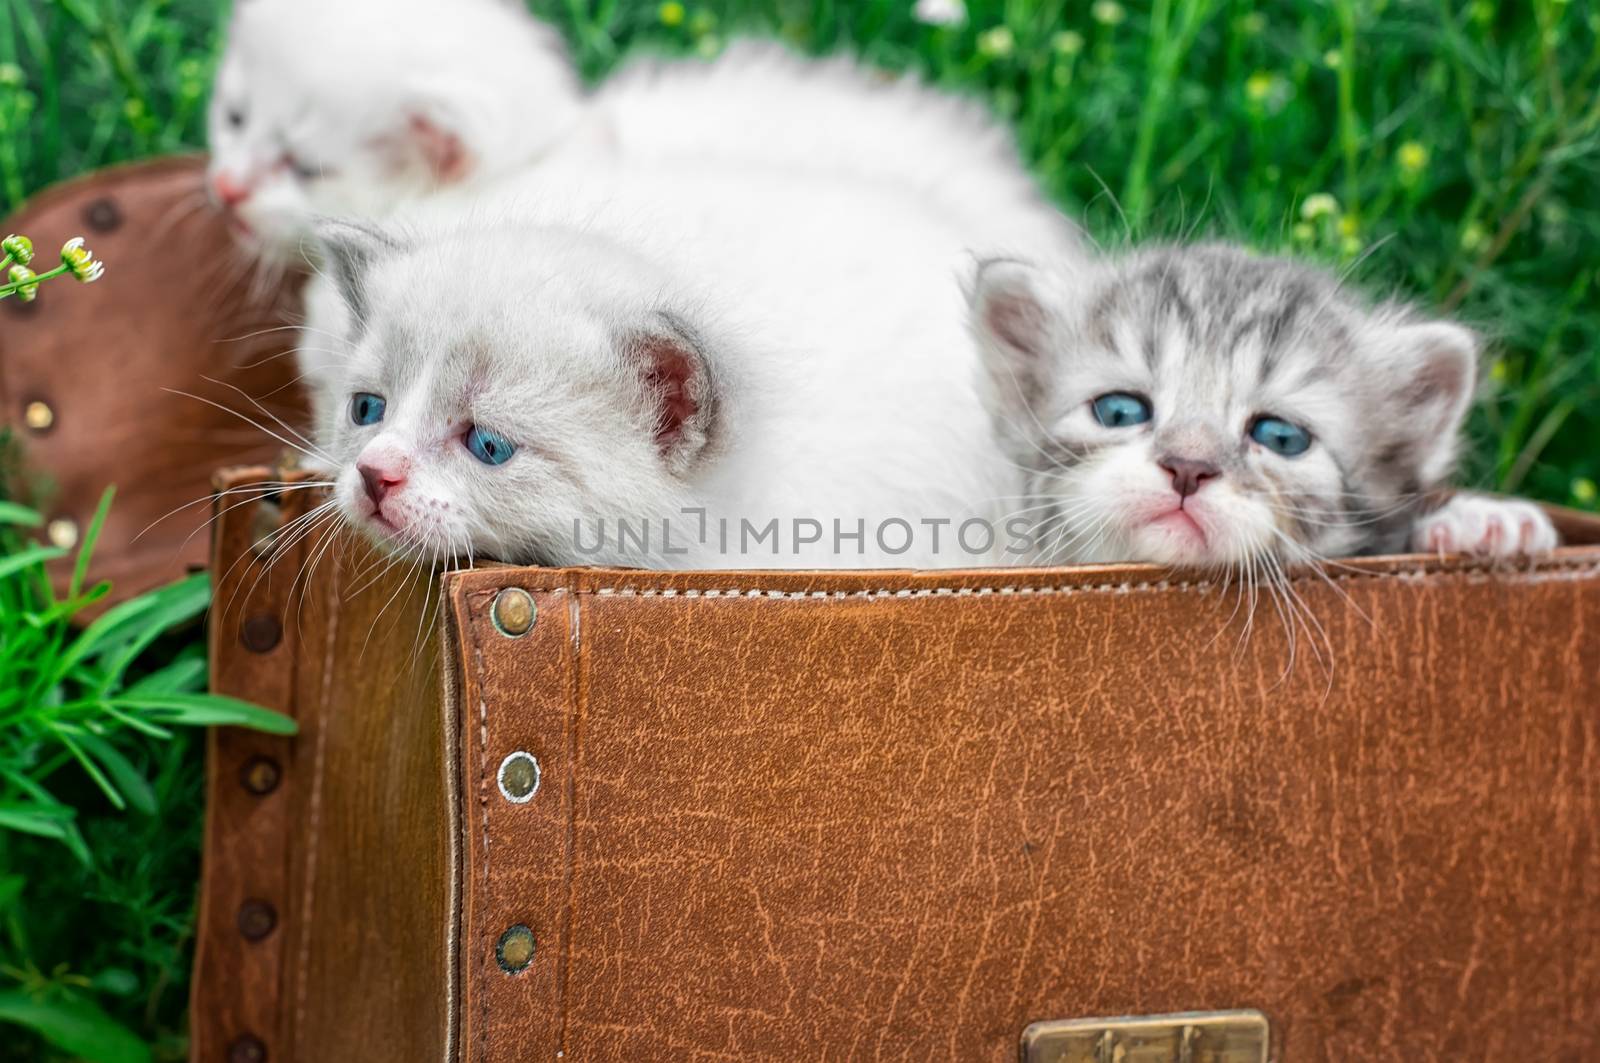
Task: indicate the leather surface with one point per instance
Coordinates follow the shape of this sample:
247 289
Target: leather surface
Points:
898 815
902 815
178 303
350 848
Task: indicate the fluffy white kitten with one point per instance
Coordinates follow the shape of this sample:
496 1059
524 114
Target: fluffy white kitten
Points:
352 108
1203 406
658 340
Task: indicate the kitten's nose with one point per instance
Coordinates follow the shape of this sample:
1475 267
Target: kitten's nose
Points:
229 192
1188 475
379 482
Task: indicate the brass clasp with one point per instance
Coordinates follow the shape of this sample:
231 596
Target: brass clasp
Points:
1186 1037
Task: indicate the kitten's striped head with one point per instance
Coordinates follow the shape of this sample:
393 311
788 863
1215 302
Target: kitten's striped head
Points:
1203 406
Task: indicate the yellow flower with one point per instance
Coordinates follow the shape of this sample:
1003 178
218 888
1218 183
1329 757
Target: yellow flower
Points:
20 248
1351 245
1317 205
79 260
21 275
671 13
1584 490
1108 12
997 42
1332 58
1260 86
1349 226
1068 42
1303 232
1412 156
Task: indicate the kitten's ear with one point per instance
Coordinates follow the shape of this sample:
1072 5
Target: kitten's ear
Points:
440 145
1016 333
349 250
676 387
1440 366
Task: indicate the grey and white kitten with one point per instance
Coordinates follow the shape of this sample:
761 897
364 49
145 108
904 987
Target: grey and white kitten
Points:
1202 406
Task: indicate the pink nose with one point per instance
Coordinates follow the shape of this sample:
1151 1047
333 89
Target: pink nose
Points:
379 481
229 192
1188 475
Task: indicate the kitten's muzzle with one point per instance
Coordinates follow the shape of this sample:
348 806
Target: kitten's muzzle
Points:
1188 474
379 482
228 192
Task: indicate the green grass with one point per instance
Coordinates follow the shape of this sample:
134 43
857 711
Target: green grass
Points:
100 793
1457 141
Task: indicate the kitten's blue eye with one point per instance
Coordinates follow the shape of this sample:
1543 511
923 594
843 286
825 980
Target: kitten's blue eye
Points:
487 447
1121 409
1280 436
366 408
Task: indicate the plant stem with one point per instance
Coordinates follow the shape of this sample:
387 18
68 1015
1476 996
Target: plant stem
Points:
1349 133
12 288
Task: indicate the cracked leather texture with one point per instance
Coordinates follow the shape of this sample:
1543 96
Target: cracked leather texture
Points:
890 815
800 816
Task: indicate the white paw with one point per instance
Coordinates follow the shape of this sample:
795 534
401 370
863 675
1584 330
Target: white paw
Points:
1487 527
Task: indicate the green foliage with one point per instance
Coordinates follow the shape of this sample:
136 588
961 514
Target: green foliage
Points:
98 799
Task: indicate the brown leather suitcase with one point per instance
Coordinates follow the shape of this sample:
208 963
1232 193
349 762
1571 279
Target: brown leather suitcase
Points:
131 380
620 815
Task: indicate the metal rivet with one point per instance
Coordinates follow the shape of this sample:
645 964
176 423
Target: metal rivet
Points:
102 215
247 1049
38 416
62 532
513 612
260 775
515 949
260 633
519 777
257 919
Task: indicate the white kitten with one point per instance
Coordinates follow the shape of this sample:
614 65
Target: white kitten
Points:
1202 406
352 108
634 345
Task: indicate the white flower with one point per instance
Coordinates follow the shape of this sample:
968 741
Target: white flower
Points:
80 261
941 12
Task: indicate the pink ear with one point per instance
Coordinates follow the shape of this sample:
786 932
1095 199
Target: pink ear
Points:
440 148
671 376
675 382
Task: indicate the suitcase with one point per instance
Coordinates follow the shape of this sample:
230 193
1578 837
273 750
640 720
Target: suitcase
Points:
1049 814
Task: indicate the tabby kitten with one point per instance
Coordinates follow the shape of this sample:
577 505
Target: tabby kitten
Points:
1202 406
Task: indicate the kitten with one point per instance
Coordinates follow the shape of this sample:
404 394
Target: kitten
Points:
356 107
352 107
705 346
1202 406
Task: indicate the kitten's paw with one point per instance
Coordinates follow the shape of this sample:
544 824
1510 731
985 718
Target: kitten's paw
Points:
1487 527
